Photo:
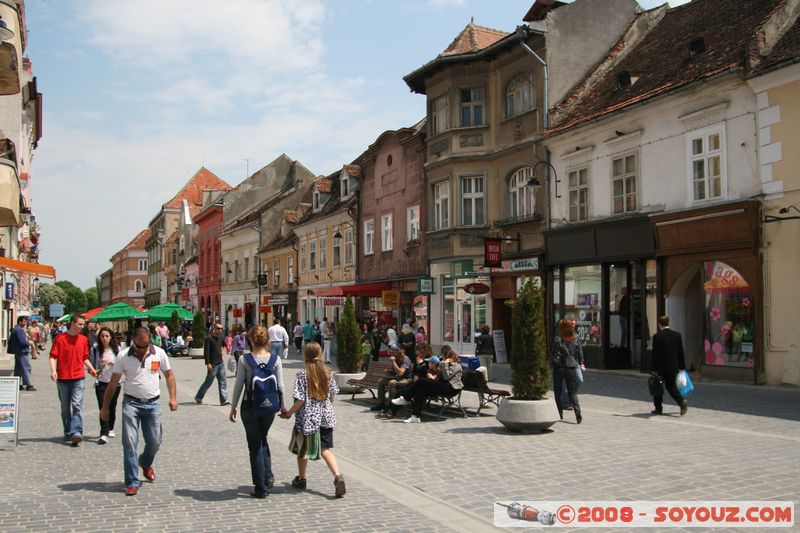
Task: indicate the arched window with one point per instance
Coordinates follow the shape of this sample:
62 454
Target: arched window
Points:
522 197
138 286
520 95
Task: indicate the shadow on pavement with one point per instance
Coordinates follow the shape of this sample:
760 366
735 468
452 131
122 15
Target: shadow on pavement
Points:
494 430
53 440
94 486
215 495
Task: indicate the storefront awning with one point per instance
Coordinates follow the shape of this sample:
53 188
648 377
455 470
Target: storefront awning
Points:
46 271
359 289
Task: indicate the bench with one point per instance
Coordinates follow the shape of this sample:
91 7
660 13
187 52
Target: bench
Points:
376 371
453 401
476 382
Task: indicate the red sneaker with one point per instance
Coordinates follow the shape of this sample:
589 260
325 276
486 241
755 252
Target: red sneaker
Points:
149 473
132 491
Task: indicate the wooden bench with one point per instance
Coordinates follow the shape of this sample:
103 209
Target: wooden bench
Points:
376 371
476 382
453 401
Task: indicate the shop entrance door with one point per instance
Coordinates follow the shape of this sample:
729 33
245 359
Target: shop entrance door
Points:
465 343
618 308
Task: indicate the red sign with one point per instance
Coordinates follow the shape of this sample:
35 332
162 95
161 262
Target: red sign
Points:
265 309
476 288
185 294
237 313
491 255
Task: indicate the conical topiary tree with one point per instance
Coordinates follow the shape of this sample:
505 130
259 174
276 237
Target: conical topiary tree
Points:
530 373
174 324
199 330
348 340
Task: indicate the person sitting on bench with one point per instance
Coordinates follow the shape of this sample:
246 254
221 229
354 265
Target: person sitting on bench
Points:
394 388
401 368
443 379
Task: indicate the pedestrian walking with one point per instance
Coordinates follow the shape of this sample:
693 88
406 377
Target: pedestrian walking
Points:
139 365
68 357
19 345
212 352
314 391
308 332
239 344
484 344
668 360
32 332
102 355
566 359
260 364
163 332
278 338
298 338
327 333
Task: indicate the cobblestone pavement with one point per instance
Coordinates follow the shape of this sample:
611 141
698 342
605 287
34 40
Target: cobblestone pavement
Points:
737 442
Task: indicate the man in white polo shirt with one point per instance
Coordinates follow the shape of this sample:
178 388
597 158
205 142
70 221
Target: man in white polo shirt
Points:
278 338
140 364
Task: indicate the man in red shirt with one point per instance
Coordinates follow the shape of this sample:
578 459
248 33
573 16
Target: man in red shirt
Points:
68 357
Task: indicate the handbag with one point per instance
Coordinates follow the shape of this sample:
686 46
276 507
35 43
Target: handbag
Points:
656 386
306 446
578 375
684 383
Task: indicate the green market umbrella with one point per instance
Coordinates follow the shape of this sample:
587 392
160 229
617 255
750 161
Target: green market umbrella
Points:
164 312
64 318
118 311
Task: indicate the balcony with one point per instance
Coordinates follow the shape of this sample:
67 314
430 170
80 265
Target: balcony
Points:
9 193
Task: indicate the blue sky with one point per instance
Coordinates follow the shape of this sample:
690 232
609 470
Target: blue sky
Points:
139 95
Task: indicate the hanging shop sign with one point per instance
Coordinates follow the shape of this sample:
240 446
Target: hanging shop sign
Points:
9 291
476 288
390 298
520 265
424 285
332 301
459 268
491 253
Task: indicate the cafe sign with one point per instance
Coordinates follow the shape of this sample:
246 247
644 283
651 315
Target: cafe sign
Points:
520 265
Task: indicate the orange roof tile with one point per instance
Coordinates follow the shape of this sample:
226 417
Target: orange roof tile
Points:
324 185
473 38
203 180
290 216
353 170
138 242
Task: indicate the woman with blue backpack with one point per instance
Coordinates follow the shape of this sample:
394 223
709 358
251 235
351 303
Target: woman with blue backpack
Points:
261 380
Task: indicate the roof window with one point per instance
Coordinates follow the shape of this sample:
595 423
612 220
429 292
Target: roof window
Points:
624 79
697 46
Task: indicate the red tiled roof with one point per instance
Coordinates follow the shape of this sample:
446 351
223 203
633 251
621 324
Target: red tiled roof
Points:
290 216
138 242
786 49
353 170
473 38
203 180
660 61
324 185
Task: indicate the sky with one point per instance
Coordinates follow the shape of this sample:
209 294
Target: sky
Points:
139 95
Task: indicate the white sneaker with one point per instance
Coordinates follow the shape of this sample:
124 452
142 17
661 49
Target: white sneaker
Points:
400 401
411 420
111 434
102 440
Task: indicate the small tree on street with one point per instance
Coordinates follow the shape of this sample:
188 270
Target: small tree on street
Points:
199 330
530 373
348 340
174 324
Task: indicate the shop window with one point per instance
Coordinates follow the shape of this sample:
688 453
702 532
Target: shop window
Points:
624 183
583 302
706 163
579 194
462 314
729 318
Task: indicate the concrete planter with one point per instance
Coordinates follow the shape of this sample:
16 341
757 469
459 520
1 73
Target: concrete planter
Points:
527 416
342 378
196 353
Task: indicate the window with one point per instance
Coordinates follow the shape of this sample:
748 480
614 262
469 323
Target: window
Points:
323 252
522 197
276 272
520 95
312 255
227 271
706 160
290 269
623 182
439 115
174 257
236 270
246 268
344 183
315 201
441 205
579 194
471 107
142 264
337 252
349 247
386 233
369 237
472 201
137 286
182 244
412 223
303 258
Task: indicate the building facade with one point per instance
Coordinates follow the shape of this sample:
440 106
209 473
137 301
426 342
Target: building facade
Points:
129 271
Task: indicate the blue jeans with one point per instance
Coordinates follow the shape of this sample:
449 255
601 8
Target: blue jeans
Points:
22 368
70 392
136 414
217 371
256 429
276 348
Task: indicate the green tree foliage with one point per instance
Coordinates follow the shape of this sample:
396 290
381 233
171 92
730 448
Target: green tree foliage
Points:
530 373
92 298
199 330
348 340
50 294
174 324
76 299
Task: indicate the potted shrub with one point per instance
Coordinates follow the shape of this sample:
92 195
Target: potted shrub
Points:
528 409
348 348
198 335
174 324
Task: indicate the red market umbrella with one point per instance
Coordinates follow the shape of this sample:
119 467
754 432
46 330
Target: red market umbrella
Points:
89 314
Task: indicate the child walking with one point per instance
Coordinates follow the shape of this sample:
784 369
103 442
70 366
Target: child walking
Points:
314 391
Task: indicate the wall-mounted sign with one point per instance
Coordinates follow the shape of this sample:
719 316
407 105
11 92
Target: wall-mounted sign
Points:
331 301
390 298
424 285
491 253
519 265
56 310
278 301
237 313
9 292
458 268
476 288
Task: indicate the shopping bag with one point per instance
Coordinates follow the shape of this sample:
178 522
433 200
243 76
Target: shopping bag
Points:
684 383
231 365
578 375
306 446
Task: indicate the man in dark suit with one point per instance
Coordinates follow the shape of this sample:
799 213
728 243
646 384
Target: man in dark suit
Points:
668 360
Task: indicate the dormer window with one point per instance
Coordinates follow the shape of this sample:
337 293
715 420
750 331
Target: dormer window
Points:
697 46
182 245
624 79
344 184
315 202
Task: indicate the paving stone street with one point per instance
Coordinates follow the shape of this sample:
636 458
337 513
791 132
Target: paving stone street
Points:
737 442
